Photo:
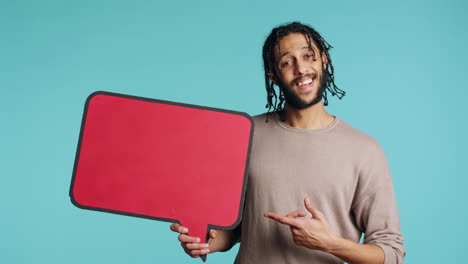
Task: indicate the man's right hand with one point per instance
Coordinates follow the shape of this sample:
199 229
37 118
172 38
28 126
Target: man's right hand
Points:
192 245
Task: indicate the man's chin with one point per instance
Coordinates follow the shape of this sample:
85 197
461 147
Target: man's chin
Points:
299 105
295 101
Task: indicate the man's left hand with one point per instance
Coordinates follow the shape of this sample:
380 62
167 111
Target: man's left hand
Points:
314 233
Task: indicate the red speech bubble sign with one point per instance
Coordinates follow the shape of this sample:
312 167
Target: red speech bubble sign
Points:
162 160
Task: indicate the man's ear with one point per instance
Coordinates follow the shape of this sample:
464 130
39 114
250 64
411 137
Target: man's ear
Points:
272 78
324 60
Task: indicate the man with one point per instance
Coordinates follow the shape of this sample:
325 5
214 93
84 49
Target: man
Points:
315 183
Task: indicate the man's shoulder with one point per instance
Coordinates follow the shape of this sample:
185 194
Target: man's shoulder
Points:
262 120
347 128
357 136
261 117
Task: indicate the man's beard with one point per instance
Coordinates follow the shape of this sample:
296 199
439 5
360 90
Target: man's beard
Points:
293 100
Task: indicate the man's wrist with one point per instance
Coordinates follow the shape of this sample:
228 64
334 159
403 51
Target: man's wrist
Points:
335 243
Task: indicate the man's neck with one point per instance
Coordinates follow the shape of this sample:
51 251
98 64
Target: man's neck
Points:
313 117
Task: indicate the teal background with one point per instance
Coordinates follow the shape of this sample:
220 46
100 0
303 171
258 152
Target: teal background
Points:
402 64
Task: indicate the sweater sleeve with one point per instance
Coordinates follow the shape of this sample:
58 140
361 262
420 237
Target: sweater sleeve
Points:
375 208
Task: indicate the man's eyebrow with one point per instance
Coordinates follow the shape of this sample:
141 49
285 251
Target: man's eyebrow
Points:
287 52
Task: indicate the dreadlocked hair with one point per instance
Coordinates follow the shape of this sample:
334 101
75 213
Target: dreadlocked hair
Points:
275 101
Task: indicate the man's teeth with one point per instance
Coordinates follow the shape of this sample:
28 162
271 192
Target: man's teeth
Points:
304 82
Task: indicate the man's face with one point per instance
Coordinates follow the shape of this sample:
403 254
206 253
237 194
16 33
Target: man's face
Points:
300 73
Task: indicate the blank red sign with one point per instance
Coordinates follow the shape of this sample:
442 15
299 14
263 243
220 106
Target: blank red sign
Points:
162 160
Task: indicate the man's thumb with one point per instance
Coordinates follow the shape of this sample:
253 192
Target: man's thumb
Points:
314 211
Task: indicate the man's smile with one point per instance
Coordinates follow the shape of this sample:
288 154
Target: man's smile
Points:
305 83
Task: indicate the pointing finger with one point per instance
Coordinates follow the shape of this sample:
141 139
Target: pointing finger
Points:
283 219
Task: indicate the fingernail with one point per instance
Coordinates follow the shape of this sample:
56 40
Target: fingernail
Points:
307 201
197 240
185 230
205 251
205 245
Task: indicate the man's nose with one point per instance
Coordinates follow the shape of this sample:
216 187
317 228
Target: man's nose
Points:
301 68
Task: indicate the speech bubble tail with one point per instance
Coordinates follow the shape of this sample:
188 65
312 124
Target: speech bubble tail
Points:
207 237
203 257
198 230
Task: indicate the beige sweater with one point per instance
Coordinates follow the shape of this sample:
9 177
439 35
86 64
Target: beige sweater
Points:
342 170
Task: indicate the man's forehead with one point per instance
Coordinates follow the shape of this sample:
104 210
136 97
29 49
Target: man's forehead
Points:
293 41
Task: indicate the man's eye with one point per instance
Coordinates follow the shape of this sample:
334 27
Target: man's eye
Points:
309 56
286 63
